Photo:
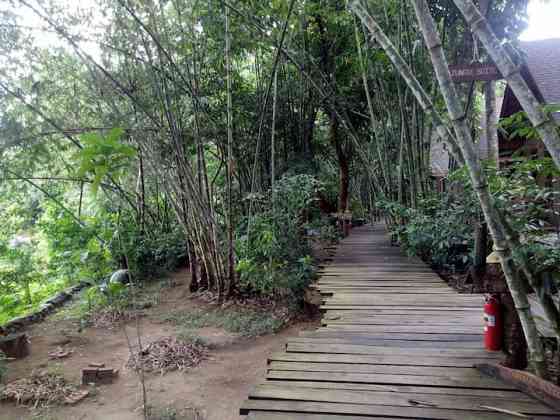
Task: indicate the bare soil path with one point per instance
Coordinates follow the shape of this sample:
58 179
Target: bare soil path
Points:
213 390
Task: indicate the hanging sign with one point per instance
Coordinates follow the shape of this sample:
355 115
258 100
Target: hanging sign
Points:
474 71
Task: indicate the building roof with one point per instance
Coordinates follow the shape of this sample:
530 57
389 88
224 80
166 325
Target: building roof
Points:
543 61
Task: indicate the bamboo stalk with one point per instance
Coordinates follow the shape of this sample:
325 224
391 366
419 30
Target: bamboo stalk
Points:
542 121
479 183
406 73
231 262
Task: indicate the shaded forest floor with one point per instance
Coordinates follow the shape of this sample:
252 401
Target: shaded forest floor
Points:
213 390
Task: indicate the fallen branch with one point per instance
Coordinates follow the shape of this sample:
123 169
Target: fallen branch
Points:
538 388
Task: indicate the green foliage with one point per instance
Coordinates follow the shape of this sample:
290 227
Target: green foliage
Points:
437 230
150 254
518 124
103 155
273 252
74 251
17 267
523 191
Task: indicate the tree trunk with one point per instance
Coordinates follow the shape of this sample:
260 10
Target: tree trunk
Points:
480 246
231 269
15 345
490 123
194 285
343 167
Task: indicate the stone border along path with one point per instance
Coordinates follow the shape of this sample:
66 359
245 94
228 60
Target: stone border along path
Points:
18 324
396 341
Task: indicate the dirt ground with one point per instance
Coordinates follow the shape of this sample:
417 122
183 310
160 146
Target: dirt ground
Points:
214 390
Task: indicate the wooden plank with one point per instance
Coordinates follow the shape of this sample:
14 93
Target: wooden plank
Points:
455 329
414 313
447 391
391 343
346 307
271 415
409 316
385 290
398 399
387 320
395 287
398 313
371 368
394 284
325 333
378 359
479 382
373 410
406 300
395 351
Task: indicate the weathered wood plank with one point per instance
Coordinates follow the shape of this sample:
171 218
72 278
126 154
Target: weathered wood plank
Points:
454 329
473 321
371 368
366 341
394 351
447 391
326 333
399 399
385 290
373 410
378 359
271 415
337 306
479 382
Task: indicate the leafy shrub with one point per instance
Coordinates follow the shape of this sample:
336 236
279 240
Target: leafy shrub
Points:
273 252
150 253
75 252
438 230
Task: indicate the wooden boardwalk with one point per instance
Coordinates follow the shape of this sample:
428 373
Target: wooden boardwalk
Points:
396 342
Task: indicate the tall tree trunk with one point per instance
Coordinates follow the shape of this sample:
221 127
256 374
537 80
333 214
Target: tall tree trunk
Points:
374 123
490 123
231 262
480 249
343 166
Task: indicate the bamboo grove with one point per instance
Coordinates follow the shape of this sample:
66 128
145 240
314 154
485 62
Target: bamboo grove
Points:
197 117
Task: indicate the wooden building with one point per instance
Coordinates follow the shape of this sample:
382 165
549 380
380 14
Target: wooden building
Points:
540 66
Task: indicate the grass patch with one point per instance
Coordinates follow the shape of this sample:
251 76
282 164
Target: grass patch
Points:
248 323
93 308
13 304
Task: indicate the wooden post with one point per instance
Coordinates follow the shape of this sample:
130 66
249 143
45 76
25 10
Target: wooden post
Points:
15 345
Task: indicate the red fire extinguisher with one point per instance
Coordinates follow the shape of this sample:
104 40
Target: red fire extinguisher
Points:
493 327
